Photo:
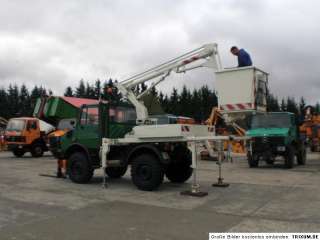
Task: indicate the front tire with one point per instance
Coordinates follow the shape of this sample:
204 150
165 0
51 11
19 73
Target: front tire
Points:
289 157
146 172
253 160
18 152
79 168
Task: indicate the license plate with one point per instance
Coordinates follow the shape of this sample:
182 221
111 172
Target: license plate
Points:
281 149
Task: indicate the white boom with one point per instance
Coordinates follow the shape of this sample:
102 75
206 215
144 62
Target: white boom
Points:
205 56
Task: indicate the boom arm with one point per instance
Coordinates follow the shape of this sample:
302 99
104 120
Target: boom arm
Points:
205 56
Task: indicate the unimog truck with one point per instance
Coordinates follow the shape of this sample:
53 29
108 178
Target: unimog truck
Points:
275 134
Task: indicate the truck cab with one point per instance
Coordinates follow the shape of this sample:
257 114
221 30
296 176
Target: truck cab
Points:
275 134
27 135
96 121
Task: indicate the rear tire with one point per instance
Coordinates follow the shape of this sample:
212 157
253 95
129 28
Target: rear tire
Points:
253 160
289 157
116 172
179 170
37 150
18 152
79 168
146 172
302 156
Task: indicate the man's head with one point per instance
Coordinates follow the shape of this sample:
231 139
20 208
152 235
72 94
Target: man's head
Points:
234 50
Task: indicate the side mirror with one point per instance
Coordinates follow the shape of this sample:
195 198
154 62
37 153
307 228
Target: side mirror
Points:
72 123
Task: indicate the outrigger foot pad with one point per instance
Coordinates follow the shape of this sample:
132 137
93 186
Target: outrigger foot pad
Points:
220 183
194 194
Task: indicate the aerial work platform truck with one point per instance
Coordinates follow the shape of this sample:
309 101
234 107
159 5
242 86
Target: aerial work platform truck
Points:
112 137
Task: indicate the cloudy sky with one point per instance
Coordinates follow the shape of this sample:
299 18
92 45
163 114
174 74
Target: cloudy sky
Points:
56 43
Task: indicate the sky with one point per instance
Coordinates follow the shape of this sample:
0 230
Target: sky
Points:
57 43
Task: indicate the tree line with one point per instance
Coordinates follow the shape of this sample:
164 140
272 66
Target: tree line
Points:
18 101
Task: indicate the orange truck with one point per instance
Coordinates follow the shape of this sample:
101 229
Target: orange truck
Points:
26 134
310 129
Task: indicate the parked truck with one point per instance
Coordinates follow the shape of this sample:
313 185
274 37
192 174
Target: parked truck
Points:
27 135
310 129
115 136
275 134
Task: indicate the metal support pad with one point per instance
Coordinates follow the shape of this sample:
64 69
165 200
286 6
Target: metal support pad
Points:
195 187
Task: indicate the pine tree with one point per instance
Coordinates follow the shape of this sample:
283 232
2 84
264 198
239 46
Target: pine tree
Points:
317 107
13 99
272 104
90 91
68 92
97 89
302 105
173 102
292 105
184 108
283 105
81 89
4 104
196 105
24 101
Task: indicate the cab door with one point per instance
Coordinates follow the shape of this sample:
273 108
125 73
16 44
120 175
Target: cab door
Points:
32 131
87 132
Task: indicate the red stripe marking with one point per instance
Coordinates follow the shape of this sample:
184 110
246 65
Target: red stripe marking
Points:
241 106
230 106
190 60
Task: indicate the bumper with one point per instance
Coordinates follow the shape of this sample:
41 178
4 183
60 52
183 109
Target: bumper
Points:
13 146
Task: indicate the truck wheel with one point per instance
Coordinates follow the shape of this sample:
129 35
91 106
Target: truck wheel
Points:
18 152
270 161
179 173
146 172
179 170
116 172
289 157
79 169
37 150
302 156
253 160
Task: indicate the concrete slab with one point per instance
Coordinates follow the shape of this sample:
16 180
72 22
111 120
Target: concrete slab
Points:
263 225
262 199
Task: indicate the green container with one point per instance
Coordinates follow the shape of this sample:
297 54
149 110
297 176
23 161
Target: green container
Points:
57 108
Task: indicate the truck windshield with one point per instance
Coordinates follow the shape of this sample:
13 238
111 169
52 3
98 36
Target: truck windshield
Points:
16 125
271 121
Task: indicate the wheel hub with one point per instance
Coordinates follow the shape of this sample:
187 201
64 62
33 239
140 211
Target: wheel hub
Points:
145 172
